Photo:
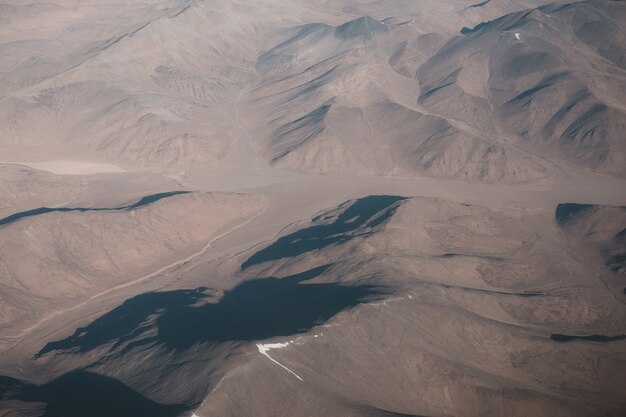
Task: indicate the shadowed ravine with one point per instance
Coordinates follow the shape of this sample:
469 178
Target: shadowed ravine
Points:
253 310
144 201
366 212
85 394
567 211
591 338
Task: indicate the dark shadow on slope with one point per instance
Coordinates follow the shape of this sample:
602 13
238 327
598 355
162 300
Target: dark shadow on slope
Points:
591 338
43 210
526 96
515 19
481 4
466 31
566 211
365 28
617 263
612 249
254 310
81 394
365 212
293 134
370 411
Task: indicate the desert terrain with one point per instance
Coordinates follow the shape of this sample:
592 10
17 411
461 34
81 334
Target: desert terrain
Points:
272 208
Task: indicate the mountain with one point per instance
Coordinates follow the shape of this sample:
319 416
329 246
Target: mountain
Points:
78 253
602 227
381 306
489 107
312 208
174 83
544 80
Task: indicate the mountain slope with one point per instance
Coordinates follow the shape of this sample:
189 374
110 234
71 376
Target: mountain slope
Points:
382 305
165 87
76 253
542 79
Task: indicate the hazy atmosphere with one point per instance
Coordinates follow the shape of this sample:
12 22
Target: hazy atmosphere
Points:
378 208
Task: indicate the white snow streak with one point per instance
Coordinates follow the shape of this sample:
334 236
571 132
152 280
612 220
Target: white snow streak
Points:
517 36
264 348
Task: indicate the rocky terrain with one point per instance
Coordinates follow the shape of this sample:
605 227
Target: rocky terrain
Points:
271 208
77 253
386 89
383 305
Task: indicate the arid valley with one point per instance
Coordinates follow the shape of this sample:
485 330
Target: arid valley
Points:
308 208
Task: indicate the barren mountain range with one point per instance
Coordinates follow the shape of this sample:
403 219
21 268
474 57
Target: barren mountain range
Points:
290 208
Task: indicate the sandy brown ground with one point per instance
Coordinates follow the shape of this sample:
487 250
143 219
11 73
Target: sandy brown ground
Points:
228 100
291 201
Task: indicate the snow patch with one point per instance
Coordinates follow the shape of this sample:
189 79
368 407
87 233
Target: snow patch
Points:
517 36
264 348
